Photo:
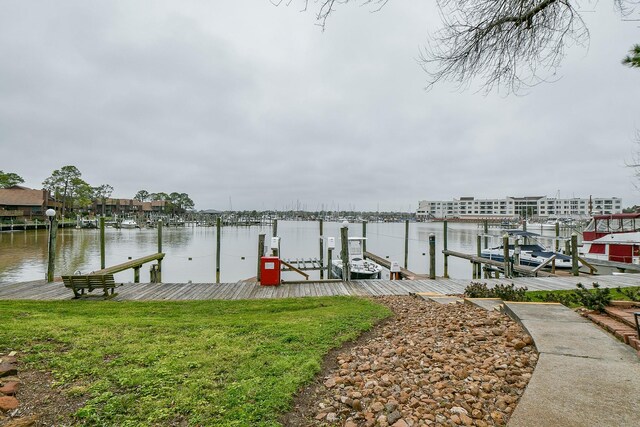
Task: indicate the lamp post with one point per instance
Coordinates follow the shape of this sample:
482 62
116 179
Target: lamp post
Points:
53 230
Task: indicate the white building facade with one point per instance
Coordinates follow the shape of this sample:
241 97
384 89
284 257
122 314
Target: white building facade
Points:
517 207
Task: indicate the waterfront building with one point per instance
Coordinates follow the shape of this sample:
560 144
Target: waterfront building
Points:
541 207
18 202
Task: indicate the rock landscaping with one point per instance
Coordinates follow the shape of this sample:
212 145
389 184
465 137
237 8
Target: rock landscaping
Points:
431 365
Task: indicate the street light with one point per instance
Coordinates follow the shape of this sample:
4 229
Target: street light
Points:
53 230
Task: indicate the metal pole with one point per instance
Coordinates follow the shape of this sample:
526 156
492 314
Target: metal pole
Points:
53 231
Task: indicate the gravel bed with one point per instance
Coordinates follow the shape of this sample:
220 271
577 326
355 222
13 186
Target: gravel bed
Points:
429 365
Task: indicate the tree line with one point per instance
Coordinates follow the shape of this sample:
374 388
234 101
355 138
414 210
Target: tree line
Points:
67 187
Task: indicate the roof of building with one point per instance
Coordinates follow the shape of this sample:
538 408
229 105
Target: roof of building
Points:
21 196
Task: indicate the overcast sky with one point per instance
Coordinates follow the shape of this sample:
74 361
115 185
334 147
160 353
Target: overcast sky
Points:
246 105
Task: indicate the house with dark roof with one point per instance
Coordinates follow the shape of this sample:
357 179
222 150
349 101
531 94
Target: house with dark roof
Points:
19 202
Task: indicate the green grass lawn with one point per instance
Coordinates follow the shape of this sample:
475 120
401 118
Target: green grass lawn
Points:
231 363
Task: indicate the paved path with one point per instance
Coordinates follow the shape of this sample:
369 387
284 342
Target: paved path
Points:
584 376
39 290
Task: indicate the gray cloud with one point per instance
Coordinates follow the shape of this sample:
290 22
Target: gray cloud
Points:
254 103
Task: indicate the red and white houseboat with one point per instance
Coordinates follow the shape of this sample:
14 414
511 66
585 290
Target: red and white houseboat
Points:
614 237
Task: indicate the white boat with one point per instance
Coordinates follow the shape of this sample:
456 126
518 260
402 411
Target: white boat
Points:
129 223
532 255
614 237
359 267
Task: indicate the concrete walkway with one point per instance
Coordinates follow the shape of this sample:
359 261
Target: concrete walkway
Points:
584 376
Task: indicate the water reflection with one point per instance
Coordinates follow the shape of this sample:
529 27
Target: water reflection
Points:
191 251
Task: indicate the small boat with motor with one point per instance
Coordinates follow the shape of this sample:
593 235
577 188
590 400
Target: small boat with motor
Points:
359 267
532 255
129 223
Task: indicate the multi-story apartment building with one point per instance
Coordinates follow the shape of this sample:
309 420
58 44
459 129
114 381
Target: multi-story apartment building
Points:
513 207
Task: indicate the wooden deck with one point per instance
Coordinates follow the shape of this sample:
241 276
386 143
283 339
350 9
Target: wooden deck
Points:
39 290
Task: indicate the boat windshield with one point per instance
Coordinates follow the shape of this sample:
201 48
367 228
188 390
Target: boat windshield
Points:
355 248
612 225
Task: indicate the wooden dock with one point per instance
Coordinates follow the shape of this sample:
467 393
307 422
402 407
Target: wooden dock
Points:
39 290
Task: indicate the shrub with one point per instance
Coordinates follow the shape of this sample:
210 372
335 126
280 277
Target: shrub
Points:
632 294
595 299
504 292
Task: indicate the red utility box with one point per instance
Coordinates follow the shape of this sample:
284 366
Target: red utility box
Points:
269 271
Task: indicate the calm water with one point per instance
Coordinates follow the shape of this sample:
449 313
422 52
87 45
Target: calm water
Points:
191 254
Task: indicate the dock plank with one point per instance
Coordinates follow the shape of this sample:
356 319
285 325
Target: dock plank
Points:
40 290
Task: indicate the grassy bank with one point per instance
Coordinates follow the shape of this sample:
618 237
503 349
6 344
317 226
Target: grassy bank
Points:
206 363
565 296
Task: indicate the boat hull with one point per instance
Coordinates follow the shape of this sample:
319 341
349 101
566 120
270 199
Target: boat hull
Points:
355 274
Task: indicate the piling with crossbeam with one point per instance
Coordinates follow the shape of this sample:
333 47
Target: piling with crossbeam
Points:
364 234
574 254
444 243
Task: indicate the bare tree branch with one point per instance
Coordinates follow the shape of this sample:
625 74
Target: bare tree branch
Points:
507 44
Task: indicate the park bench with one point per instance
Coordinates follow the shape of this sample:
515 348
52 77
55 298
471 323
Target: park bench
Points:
79 283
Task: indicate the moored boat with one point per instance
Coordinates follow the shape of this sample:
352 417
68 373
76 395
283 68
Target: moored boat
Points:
532 255
359 268
129 223
614 237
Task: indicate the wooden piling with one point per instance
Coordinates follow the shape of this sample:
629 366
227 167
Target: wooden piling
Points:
432 256
51 265
158 272
275 228
329 258
321 257
364 234
486 234
218 250
478 267
406 244
505 252
102 255
574 254
557 247
344 255
445 233
261 238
